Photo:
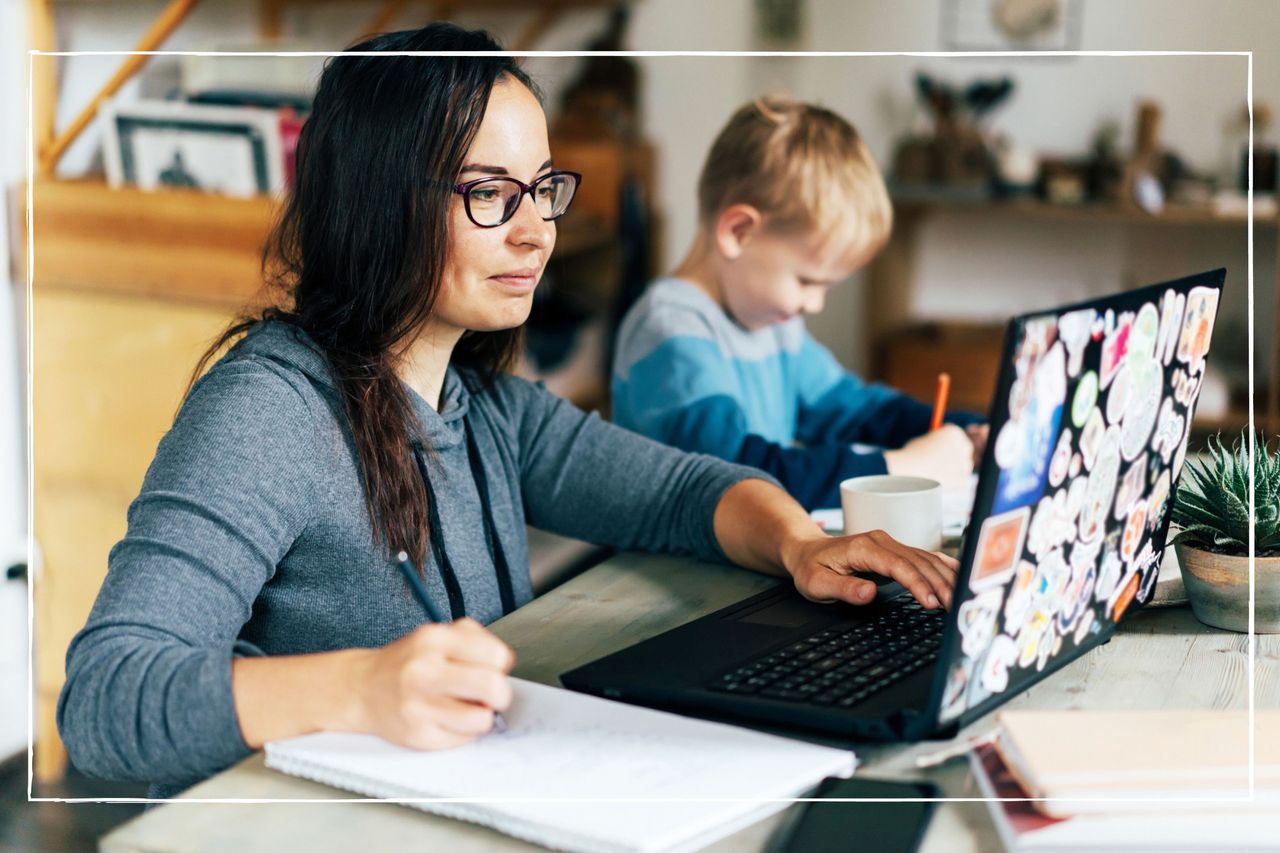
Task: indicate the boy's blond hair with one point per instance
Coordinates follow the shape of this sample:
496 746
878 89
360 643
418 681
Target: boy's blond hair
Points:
804 168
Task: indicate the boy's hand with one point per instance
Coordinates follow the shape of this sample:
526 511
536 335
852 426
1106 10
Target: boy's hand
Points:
823 566
945 455
978 436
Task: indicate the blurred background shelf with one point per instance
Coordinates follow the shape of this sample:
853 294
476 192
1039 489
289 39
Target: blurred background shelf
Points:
183 245
909 350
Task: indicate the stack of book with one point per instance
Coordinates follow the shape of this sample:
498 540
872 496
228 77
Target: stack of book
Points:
1133 780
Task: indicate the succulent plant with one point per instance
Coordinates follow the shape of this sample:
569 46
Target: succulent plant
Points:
1212 501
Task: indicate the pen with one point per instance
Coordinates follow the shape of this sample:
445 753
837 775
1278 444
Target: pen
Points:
410 572
940 400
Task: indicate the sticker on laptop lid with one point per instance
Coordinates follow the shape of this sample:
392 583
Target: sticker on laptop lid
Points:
1197 326
1027 440
1031 636
1185 386
1085 397
1114 350
999 547
1060 464
1101 486
1146 382
1091 437
994 669
976 620
1170 318
1124 596
1132 486
1075 329
1015 607
1110 570
1158 502
1169 428
1118 397
1144 332
1134 530
1078 597
953 695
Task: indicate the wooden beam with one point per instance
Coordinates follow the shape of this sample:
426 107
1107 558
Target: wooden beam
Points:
387 15
271 18
44 73
170 19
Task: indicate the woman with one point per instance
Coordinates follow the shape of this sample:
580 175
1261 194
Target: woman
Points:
256 595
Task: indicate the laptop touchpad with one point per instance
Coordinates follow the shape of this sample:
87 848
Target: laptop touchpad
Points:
790 612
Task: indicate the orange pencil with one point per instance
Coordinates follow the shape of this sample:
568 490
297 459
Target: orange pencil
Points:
940 400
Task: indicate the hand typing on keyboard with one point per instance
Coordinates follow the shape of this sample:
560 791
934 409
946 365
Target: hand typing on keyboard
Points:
823 568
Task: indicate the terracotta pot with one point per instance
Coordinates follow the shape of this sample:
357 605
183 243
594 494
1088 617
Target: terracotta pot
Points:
1218 587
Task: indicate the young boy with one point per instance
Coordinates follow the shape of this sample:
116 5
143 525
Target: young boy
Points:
716 359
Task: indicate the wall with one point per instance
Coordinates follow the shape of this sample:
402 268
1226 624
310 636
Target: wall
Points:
981 269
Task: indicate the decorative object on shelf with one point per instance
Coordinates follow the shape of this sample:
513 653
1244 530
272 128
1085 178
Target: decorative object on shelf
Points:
954 158
779 24
1106 169
1155 174
1212 507
235 151
1011 24
1143 169
1064 181
1017 168
265 70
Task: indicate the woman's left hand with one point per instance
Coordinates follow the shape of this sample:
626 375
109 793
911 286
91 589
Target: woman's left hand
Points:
823 568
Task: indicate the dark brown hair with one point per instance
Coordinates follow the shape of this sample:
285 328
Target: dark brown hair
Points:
357 255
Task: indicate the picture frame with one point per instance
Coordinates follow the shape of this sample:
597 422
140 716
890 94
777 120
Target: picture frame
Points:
981 25
157 145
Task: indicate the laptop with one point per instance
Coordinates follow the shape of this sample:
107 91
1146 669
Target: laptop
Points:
1089 430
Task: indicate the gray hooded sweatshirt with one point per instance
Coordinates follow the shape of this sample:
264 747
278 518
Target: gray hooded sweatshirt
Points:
251 537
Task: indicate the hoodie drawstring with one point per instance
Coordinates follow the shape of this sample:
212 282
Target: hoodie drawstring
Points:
457 606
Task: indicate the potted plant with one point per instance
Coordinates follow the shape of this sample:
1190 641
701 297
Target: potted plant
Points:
1212 508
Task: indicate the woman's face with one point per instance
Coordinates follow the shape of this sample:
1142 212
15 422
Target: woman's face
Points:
490 274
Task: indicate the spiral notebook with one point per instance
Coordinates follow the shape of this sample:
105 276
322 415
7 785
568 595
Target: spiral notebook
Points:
559 745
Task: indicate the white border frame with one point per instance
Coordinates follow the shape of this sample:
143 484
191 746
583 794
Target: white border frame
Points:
30 310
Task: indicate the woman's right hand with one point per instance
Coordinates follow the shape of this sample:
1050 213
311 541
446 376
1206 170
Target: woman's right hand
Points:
436 687
945 455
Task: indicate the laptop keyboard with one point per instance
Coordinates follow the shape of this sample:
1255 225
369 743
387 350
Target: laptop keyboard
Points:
843 665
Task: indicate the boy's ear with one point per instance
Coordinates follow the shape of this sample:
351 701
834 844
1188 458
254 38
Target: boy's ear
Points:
735 226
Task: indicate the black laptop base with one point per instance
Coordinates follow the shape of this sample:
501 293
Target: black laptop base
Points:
692 668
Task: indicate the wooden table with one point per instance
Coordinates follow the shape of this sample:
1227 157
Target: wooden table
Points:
1160 659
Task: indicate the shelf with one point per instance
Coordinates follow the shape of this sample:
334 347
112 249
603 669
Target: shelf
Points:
1173 214
180 244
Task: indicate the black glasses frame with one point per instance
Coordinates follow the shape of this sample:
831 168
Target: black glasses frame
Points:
464 190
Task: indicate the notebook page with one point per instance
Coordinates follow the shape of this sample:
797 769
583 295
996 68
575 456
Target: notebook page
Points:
561 744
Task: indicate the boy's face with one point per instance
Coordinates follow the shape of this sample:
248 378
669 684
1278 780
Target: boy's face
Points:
775 277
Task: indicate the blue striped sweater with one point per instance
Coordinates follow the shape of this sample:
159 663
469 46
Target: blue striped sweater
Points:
686 374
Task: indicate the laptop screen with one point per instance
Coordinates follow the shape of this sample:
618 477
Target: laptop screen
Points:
1089 430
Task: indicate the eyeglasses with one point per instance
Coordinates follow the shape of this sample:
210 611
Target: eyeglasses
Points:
492 201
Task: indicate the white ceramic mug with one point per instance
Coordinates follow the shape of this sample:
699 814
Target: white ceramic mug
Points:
907 508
